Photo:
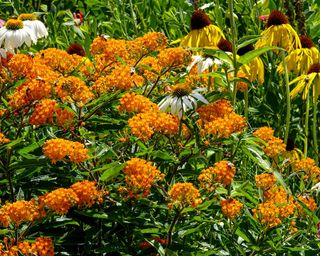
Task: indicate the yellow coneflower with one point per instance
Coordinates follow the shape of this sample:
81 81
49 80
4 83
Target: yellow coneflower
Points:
300 60
203 32
254 70
304 82
279 33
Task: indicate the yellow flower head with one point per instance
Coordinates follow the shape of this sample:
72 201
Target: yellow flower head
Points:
304 82
279 33
203 33
300 60
254 70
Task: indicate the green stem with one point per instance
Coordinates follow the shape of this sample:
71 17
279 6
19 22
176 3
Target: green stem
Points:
234 50
246 103
174 221
306 126
288 115
314 125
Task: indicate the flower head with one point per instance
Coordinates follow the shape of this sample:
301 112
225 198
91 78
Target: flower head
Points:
203 33
306 82
300 60
140 175
184 195
231 208
279 33
76 48
14 34
182 99
30 20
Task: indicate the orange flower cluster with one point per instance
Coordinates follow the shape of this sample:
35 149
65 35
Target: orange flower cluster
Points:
309 167
59 149
265 181
73 89
132 102
143 125
223 127
212 111
121 77
149 68
140 175
308 202
3 139
32 90
87 193
219 119
150 42
275 146
19 212
222 172
277 207
43 246
98 45
231 208
174 57
61 200
43 112
264 133
184 195
20 65
58 60
64 118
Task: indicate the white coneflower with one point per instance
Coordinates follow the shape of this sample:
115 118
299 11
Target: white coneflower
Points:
182 99
203 63
30 20
14 34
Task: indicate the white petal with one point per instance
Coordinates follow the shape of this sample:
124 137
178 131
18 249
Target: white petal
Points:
198 96
187 102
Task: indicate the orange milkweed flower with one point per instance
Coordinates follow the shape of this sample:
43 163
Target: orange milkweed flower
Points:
59 149
87 193
61 200
43 112
184 195
131 102
231 208
140 175
3 139
73 89
222 172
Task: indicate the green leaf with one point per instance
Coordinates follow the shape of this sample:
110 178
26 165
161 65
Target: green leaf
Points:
246 58
111 171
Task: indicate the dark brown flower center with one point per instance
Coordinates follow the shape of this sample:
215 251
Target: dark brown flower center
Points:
277 18
245 49
76 49
199 20
315 68
225 45
306 42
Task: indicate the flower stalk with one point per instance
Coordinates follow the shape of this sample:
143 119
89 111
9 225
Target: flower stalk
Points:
234 50
288 115
306 126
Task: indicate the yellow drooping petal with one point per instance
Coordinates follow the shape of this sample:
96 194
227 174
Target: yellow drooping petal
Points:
254 70
280 35
299 60
208 36
303 84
